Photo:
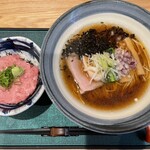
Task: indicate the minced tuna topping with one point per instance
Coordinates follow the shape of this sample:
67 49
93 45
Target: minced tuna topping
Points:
24 83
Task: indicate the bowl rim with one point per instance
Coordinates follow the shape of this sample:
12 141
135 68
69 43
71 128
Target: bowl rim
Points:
71 115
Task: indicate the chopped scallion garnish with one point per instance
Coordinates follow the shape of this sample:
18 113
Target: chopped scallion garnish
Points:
8 75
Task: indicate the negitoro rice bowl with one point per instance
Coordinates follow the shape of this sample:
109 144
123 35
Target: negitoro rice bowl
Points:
20 81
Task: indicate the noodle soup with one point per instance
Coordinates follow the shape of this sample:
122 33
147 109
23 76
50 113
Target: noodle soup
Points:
95 66
107 67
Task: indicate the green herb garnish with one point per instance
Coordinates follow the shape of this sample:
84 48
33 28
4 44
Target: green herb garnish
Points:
111 50
8 76
111 76
17 71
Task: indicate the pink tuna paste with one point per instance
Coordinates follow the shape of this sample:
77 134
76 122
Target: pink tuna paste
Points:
27 82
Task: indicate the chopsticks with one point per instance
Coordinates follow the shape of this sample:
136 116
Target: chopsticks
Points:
51 131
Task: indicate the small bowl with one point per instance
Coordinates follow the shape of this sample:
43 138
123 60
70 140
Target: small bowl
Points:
116 12
30 52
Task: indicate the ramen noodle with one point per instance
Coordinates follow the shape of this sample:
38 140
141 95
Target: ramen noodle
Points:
106 67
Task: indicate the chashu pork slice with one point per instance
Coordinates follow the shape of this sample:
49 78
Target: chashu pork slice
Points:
76 67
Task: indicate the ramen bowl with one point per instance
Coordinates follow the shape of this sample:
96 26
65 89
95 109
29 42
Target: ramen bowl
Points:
20 51
118 13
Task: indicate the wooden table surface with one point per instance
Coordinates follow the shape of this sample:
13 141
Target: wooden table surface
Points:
40 13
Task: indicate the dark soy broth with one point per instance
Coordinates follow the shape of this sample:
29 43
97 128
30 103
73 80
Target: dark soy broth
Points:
97 98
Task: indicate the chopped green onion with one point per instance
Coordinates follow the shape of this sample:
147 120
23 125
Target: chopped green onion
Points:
111 50
111 76
104 61
8 75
